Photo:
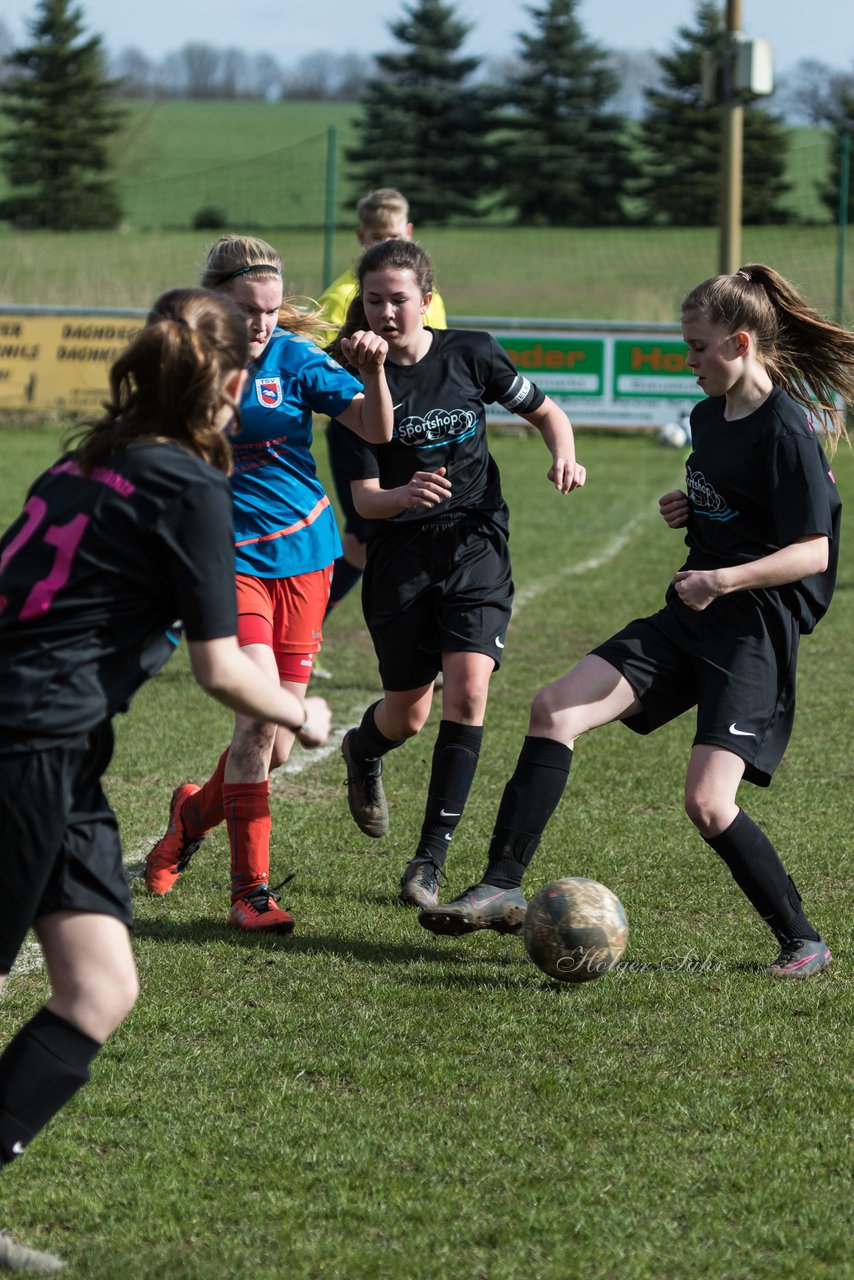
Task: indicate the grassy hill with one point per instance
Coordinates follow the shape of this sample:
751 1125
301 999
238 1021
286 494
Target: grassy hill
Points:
264 167
260 162
266 163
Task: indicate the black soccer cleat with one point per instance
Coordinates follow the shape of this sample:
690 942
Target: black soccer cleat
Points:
481 906
419 884
801 958
365 794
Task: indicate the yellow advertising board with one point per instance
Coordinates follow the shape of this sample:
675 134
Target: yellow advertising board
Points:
60 359
602 373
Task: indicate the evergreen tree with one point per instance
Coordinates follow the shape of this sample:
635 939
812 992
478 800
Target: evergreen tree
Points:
841 118
61 115
566 158
681 140
423 127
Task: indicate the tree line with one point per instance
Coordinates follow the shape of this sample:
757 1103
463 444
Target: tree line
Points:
565 132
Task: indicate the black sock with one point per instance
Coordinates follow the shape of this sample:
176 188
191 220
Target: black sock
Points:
367 743
757 870
344 578
455 758
529 800
40 1069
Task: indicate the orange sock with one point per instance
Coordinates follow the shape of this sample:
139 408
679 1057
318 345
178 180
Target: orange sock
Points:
247 816
204 810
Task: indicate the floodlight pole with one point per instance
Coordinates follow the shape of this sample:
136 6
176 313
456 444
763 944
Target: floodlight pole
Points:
732 151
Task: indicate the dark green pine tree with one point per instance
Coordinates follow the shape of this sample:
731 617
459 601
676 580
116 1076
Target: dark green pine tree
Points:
681 140
61 116
841 120
423 126
565 158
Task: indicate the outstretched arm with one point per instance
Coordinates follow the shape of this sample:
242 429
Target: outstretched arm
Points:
226 674
554 426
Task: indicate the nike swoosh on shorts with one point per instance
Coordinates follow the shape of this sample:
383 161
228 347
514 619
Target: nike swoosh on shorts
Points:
741 733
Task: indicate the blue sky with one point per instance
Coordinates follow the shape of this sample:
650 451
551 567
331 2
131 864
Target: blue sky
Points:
821 29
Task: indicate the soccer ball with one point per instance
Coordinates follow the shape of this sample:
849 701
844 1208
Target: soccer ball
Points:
575 929
674 435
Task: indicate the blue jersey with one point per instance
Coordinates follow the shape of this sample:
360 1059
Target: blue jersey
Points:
283 521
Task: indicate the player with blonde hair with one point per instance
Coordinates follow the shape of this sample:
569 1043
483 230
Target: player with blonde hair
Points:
286 541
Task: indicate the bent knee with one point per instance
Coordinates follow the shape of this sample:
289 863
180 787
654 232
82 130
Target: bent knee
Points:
113 1004
708 815
98 1012
409 724
468 705
551 719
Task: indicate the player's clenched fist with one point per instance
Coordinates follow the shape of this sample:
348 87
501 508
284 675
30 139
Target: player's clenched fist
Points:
675 509
318 722
364 350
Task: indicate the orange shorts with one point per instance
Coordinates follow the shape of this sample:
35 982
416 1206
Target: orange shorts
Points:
285 614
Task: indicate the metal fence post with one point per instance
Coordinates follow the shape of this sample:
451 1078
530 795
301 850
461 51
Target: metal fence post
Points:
844 172
329 231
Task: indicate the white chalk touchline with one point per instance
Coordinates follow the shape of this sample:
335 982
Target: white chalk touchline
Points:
608 552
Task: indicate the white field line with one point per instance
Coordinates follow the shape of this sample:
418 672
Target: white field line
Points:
306 759
29 960
609 552
30 957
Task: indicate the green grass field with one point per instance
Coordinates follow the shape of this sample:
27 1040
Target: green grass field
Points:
640 275
264 166
266 162
363 1101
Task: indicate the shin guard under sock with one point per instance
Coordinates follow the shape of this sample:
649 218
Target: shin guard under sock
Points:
757 870
40 1069
204 809
529 800
247 817
455 758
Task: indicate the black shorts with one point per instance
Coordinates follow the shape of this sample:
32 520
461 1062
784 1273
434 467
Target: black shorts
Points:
436 586
61 849
353 522
735 661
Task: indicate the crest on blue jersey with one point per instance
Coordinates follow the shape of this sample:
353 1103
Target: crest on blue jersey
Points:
269 392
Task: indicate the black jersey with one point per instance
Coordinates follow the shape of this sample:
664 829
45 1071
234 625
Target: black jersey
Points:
758 484
439 421
94 574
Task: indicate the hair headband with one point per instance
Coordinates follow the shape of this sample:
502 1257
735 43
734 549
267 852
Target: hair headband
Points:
256 266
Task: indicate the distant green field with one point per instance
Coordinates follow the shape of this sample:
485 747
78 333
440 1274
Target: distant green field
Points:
482 271
264 166
262 163
266 163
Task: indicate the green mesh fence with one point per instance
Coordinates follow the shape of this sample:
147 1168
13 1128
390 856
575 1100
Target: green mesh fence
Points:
281 188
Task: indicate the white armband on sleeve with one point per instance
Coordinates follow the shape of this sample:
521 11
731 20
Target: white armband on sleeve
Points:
522 395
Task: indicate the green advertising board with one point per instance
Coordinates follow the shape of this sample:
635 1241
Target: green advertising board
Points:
613 375
573 366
